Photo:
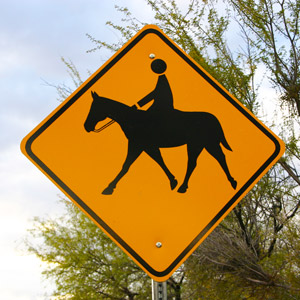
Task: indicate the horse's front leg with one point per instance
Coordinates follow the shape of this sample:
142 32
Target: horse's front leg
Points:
133 153
155 154
193 153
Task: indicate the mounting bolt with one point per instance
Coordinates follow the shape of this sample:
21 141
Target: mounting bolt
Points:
158 244
152 55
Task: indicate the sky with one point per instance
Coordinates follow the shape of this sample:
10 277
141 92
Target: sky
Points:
34 35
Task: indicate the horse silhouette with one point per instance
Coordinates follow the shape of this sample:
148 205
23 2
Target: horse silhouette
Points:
147 131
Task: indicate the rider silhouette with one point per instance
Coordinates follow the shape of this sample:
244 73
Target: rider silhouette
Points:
162 94
162 127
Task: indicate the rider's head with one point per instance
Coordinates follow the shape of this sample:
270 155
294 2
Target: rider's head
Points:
158 66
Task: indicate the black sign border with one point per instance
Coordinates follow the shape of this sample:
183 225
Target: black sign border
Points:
89 211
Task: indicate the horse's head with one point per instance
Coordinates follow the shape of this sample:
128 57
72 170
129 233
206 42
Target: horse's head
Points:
96 113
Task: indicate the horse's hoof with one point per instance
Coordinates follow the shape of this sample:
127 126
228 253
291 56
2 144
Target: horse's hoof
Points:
173 183
233 183
182 189
108 191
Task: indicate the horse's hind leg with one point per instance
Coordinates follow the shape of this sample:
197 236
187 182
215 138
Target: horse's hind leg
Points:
217 153
133 153
193 153
155 154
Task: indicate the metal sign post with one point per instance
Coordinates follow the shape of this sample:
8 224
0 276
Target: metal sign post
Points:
159 290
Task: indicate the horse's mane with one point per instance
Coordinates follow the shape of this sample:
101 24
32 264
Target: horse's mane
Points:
116 104
113 101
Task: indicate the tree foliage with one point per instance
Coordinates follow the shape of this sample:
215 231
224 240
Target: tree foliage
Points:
274 26
83 261
254 252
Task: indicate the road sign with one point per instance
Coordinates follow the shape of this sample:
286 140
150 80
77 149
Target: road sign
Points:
180 153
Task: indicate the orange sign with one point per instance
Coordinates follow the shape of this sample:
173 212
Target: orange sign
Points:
154 150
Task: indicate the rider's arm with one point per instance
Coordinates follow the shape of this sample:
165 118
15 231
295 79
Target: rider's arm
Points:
146 99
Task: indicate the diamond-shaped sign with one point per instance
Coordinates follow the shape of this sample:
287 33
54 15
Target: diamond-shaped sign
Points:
154 150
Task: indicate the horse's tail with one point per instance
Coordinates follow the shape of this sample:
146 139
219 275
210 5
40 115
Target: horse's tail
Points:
220 134
223 141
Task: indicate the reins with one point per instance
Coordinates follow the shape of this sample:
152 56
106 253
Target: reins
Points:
104 126
107 124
